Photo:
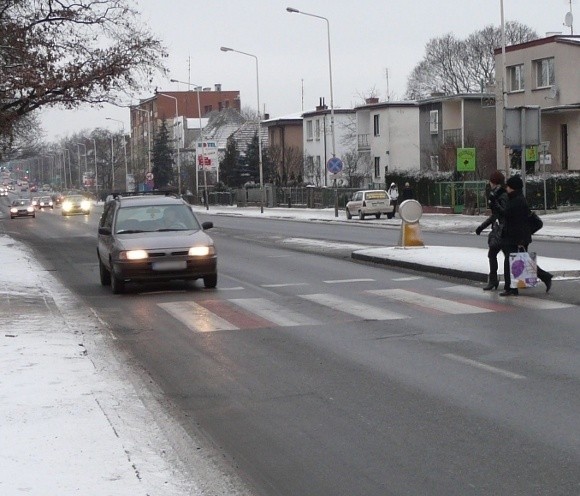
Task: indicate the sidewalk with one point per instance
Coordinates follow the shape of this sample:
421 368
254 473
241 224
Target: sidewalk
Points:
75 419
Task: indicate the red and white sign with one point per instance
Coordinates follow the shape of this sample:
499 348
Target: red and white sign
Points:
207 155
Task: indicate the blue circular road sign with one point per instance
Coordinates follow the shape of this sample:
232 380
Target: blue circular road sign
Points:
334 165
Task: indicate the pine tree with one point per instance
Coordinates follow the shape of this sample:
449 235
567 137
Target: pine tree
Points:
162 159
229 164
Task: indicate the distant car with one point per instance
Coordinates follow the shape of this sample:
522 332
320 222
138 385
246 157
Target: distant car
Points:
33 189
370 202
57 198
45 202
3 191
76 204
22 208
35 200
150 238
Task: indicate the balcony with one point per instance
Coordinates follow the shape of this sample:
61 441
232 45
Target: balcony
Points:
363 142
452 136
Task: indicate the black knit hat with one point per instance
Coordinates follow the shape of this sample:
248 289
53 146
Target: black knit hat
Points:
515 182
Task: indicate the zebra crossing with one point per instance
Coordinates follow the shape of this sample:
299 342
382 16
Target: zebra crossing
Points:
230 314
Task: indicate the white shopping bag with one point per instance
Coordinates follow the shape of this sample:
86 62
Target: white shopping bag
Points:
523 270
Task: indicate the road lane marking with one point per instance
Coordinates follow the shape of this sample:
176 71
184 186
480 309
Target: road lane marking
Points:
528 302
430 302
340 281
273 312
483 366
361 310
411 278
284 285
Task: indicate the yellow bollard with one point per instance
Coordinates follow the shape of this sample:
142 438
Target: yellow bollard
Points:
410 212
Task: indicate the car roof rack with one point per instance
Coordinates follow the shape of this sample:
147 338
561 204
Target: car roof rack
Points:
124 194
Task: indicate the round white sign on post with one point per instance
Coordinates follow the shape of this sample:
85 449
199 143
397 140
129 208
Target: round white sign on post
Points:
149 176
410 211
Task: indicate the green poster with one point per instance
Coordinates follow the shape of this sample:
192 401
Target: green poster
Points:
532 154
466 159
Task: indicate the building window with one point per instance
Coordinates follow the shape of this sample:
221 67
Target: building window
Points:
434 162
377 166
434 121
545 72
309 130
207 109
317 129
376 125
516 77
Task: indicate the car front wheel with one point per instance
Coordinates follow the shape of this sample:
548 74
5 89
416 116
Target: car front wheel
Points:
117 284
210 281
104 274
348 214
361 216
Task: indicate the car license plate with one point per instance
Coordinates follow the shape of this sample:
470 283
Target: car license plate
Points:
170 265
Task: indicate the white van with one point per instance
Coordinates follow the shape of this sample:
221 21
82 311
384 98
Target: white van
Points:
371 202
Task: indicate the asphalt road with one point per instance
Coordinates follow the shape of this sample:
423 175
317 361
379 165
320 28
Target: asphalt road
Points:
327 377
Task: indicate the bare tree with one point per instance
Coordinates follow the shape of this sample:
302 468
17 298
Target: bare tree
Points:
453 66
69 52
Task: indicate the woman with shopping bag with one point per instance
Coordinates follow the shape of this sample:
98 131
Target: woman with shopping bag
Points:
516 235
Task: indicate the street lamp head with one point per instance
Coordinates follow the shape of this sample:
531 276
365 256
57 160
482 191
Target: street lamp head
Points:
293 10
226 49
174 81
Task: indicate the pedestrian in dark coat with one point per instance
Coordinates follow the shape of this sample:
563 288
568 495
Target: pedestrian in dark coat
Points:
407 193
498 199
516 232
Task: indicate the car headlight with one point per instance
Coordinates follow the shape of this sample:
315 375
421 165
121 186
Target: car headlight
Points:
66 206
201 251
30 209
133 255
86 205
13 210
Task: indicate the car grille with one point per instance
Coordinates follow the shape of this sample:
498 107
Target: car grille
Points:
158 254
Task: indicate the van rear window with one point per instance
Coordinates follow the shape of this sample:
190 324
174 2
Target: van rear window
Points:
377 195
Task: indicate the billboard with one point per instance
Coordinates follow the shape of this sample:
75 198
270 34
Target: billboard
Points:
206 155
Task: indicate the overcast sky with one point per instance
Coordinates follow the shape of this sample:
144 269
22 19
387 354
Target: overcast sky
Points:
368 37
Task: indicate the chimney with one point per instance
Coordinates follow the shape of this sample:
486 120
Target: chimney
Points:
321 105
266 117
371 100
218 87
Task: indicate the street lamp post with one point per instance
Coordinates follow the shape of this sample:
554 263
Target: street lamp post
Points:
96 170
79 158
226 49
124 150
202 149
148 136
176 139
296 11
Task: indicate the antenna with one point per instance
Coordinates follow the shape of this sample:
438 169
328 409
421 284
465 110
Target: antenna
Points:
569 20
387 76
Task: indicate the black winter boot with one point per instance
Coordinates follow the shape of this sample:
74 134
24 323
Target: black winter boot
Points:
492 283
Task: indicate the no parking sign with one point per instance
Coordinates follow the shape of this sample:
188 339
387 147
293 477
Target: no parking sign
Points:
334 165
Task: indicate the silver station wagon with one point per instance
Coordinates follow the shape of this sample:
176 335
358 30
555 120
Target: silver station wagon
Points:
370 202
153 238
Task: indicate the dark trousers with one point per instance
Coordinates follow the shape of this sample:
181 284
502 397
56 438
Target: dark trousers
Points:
492 254
542 274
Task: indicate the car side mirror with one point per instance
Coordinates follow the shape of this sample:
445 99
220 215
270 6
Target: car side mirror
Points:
207 225
105 230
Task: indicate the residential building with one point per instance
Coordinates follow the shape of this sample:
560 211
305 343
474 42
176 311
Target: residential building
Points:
388 138
317 143
285 147
544 73
448 122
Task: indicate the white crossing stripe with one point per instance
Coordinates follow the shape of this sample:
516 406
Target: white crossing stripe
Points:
483 366
432 302
361 310
521 300
196 317
273 312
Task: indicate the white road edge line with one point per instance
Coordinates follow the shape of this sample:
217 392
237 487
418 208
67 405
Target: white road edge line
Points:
340 281
284 285
103 323
483 366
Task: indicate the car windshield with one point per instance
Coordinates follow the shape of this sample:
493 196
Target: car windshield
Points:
150 218
17 203
45 199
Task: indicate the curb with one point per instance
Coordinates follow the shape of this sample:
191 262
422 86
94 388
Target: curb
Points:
473 276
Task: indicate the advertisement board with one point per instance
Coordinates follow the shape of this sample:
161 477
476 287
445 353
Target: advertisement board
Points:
206 155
